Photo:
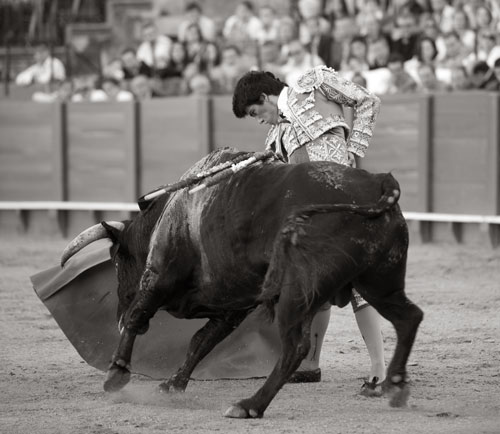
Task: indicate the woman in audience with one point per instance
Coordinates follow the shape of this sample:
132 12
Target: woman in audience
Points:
357 57
242 27
287 32
202 53
484 19
425 54
462 27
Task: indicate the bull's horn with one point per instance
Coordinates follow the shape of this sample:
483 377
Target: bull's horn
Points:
88 236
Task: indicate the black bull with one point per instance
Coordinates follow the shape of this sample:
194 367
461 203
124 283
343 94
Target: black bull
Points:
301 234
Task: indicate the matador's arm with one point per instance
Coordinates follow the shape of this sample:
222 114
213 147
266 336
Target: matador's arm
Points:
346 93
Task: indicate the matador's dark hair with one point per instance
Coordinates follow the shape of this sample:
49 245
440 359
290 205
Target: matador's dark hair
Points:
250 87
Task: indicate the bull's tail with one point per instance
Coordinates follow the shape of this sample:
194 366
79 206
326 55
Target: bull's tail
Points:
287 250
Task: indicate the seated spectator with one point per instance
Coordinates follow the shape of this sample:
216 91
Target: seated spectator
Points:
358 52
142 88
269 59
113 90
63 92
496 72
359 79
225 75
337 9
114 69
484 19
455 51
322 44
404 35
154 49
369 19
45 70
400 81
443 14
455 56
425 54
85 90
177 61
460 79
132 66
194 15
428 28
204 54
311 9
378 54
343 30
241 27
462 27
482 77
268 25
299 62
287 32
488 50
428 82
199 84
371 29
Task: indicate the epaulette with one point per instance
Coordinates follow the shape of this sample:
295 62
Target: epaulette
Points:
310 80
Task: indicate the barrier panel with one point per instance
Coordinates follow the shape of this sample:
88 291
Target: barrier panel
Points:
399 139
101 152
31 166
173 136
465 154
244 134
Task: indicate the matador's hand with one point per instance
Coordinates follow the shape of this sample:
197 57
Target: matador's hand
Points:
352 159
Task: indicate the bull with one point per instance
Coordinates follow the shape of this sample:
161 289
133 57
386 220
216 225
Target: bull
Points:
282 238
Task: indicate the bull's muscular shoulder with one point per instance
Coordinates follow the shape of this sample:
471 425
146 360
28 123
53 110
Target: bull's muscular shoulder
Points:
311 79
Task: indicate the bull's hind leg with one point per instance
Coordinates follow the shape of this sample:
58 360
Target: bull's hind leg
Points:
294 321
204 340
405 317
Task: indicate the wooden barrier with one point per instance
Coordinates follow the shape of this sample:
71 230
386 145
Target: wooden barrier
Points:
443 149
400 136
172 137
226 130
101 156
31 151
464 164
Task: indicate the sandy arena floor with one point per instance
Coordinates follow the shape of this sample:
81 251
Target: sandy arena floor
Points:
455 369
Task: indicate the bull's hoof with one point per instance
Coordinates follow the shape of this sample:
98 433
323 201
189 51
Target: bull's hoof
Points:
168 387
117 378
398 394
237 412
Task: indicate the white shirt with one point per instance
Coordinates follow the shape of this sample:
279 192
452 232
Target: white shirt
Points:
161 54
235 29
51 69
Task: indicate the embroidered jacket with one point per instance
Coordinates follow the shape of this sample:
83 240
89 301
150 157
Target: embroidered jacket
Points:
309 113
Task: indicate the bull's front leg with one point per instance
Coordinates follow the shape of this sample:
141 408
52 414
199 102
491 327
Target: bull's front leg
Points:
204 340
136 322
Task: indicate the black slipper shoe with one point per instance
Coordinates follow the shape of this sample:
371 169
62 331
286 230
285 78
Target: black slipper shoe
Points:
371 388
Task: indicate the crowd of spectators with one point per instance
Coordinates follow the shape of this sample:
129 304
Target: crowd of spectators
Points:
389 46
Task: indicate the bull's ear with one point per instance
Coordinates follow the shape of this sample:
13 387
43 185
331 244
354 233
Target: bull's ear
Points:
115 233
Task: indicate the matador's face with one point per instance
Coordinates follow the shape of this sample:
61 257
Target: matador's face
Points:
265 112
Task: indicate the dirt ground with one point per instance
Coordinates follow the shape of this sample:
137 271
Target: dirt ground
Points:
455 370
